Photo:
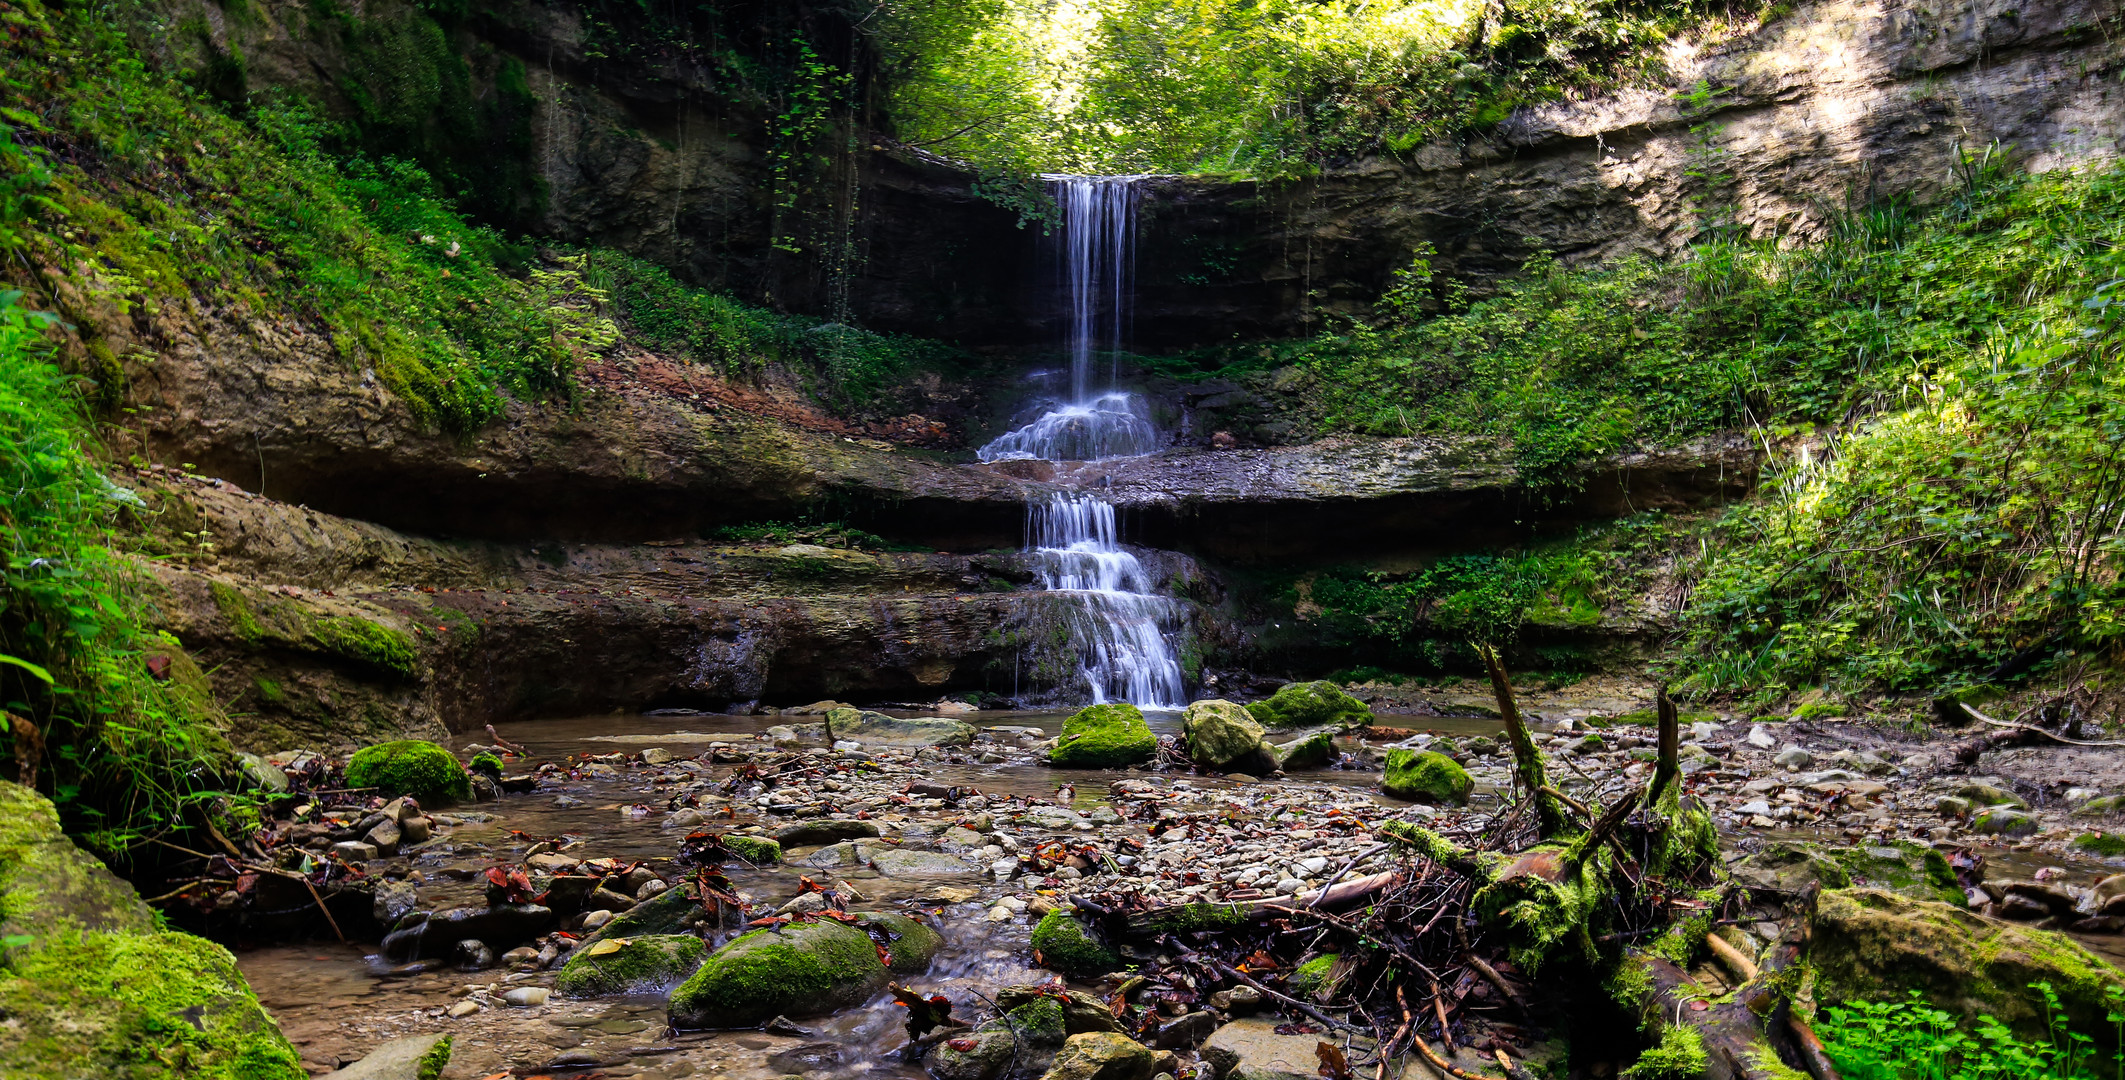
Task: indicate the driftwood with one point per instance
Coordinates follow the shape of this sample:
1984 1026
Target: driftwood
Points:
1527 759
1748 1034
1157 921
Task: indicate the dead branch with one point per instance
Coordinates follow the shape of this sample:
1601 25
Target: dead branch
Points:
1527 759
1669 765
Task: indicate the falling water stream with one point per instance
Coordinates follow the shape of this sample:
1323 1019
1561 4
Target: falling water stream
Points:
1120 630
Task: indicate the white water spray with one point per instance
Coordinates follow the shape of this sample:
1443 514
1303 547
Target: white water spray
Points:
1120 630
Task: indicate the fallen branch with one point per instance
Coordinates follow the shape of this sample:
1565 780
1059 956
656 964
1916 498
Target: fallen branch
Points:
1347 868
1527 760
1732 957
1498 983
1812 1053
2034 730
1231 972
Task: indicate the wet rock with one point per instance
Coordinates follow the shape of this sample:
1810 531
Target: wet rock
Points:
1907 869
472 954
1312 704
824 831
606 897
1080 1013
2054 900
1252 1050
385 836
414 830
1101 1055
463 1009
900 862
2003 821
651 888
1222 736
354 850
526 997
597 919
803 969
521 958
874 728
1104 737
1426 776
804 903
1061 943
631 965
1186 1032
1871 945
656 755
392 901
1988 795
567 893
667 912
414 1057
502 926
982 1055
260 774
1761 738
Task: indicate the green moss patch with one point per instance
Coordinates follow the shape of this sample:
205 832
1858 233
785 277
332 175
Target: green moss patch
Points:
1426 776
1189 918
803 969
644 963
1680 1055
1104 737
410 767
757 850
1063 944
2107 845
264 620
1311 704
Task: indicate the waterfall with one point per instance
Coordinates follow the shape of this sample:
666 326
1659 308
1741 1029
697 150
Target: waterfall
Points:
1119 629
1099 259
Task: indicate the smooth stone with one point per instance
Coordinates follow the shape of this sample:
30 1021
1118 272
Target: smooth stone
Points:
526 996
399 1059
819 831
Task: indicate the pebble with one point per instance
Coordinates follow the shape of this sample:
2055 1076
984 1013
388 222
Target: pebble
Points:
463 1009
526 996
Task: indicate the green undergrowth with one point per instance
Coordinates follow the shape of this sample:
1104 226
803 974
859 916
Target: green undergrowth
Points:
1265 88
833 534
1912 1040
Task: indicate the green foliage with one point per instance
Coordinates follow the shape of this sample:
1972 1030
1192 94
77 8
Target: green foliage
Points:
1266 87
833 534
1680 1055
410 767
1912 1040
125 751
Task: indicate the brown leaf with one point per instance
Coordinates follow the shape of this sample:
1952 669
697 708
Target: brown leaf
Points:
1334 1063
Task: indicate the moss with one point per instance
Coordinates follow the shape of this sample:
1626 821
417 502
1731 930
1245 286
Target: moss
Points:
371 643
1867 944
1312 704
410 767
2108 845
1680 1055
263 620
1682 944
909 946
655 962
757 850
1538 917
1310 977
803 969
432 1063
1039 1022
1190 918
1104 737
1426 776
486 761
156 1005
1061 943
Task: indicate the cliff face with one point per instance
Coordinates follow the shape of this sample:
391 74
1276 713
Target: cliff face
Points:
641 137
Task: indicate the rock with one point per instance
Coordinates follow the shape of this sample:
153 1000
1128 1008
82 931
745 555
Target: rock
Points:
385 836
392 901
1953 806
1426 776
1252 1050
803 903
1988 795
820 831
1185 1032
567 893
1061 943
410 767
684 819
1795 758
1871 945
656 962
463 1009
651 888
668 912
803 969
526 997
2110 888
900 862
2002 821
414 830
1101 1055
413 1057
2101 806
756 850
656 755
1104 737
989 1055
354 850
1081 1013
1905 868
1761 738
521 958
597 919
2054 900
816 708
1222 736
552 862
502 926
260 774
1590 743
610 899
875 728
1308 752
1312 704
472 954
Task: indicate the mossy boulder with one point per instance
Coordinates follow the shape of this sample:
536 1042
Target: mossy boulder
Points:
801 969
1868 944
1905 868
1306 752
1061 943
1101 1055
631 965
988 1055
96 991
1223 736
1426 776
410 767
1310 704
757 850
1104 737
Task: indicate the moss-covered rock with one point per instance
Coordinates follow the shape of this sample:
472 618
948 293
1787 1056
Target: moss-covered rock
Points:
410 767
1104 737
631 965
1868 944
1311 704
802 969
878 728
1101 1055
1223 736
1061 943
757 850
96 991
1426 776
1906 868
1306 752
992 1049
910 946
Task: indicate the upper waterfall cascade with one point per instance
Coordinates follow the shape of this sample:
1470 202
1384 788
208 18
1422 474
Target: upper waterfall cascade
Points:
1121 631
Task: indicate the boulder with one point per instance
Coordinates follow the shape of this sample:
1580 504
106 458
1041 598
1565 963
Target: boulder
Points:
1875 945
880 729
392 901
410 767
988 1054
412 1057
902 863
631 965
1312 704
1251 1049
757 850
672 911
2005 821
801 969
1425 776
1081 1013
1061 943
1908 869
1312 751
820 831
1224 737
501 927
1101 1055
1104 737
